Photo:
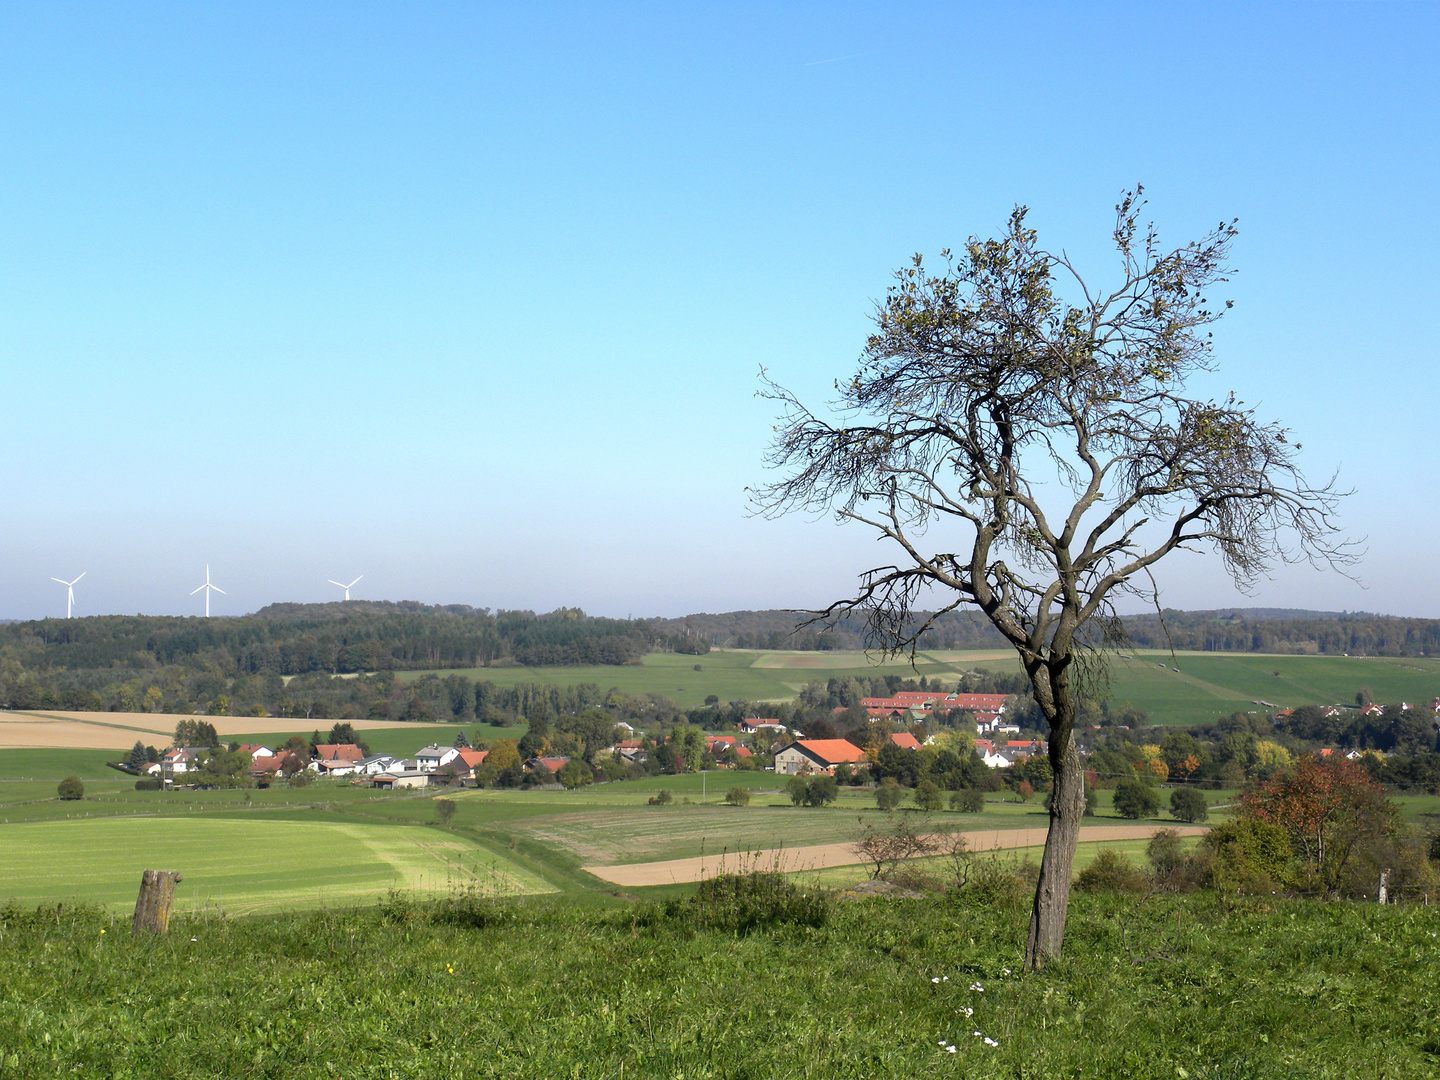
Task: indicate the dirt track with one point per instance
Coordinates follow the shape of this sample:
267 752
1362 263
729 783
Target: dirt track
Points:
819 856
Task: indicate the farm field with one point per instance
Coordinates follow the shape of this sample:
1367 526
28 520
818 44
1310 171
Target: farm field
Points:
30 736
241 866
1206 687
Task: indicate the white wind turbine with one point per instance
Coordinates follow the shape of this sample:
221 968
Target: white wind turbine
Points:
347 588
208 588
69 593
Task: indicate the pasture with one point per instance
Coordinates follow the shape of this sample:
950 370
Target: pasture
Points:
241 865
1206 686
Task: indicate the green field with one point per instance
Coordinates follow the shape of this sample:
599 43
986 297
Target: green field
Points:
1207 686
240 866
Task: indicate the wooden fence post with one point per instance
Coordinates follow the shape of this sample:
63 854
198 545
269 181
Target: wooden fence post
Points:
1384 885
157 894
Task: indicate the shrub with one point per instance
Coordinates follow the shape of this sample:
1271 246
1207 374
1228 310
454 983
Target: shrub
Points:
1135 799
1187 804
663 799
150 783
71 788
742 903
968 802
738 796
1246 855
1164 852
444 810
817 791
1110 872
889 794
928 796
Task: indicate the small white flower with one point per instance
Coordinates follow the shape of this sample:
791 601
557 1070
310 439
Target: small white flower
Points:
1007 971
968 1011
194 939
976 1034
947 977
936 979
950 1049
990 1042
942 1042
977 986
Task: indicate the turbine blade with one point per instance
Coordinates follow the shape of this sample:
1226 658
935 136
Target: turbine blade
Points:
195 590
352 584
61 582
333 582
218 589
78 578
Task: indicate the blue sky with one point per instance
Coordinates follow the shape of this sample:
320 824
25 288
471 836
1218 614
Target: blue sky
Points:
471 300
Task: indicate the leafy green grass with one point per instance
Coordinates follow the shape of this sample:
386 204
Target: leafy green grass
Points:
1162 989
54 764
240 865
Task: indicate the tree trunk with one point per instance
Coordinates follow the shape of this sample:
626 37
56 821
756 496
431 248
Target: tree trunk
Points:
157 895
1052 891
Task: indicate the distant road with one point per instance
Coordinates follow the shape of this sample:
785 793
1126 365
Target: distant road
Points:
820 856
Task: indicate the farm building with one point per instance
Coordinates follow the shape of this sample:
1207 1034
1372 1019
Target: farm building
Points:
816 756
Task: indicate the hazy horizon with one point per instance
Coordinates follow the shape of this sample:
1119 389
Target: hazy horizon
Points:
472 301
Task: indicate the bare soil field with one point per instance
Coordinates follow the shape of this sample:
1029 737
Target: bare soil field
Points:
820 856
118 731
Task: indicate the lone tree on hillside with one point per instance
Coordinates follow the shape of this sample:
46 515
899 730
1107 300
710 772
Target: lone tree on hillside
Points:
1034 457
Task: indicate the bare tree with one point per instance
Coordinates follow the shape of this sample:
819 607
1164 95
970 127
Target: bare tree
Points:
1035 457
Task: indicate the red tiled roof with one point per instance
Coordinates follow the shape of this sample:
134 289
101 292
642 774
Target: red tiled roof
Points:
339 752
905 740
832 751
473 758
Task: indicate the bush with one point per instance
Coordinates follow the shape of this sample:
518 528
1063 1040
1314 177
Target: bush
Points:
817 791
889 794
1110 872
444 810
71 788
663 799
742 903
1135 799
150 783
928 796
1164 852
1246 855
1187 804
738 796
968 802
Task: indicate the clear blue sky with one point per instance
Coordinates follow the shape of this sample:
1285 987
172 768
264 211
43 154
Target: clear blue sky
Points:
471 300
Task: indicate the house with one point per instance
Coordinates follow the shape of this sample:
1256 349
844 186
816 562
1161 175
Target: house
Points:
996 760
261 767
629 750
551 765
816 755
376 764
403 778
1024 747
472 759
905 740
1373 710
256 751
751 726
339 752
432 757
334 766
182 759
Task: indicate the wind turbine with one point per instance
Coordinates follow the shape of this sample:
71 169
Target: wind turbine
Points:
208 588
69 593
347 588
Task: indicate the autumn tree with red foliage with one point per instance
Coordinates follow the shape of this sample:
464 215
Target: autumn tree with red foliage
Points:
1326 805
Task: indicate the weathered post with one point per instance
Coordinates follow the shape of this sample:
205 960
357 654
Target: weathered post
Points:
1384 886
157 895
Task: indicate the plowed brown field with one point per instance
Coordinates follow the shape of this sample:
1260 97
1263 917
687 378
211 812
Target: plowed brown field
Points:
118 731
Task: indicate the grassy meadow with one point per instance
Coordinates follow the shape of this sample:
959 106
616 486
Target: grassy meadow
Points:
1160 988
1207 686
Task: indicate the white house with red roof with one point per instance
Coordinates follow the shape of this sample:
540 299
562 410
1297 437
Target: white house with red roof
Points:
754 724
816 755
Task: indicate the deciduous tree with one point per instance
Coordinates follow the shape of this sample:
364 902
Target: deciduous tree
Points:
1035 456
